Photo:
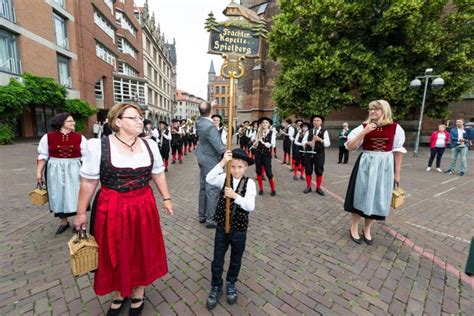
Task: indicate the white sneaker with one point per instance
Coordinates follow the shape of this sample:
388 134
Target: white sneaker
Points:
428 169
439 170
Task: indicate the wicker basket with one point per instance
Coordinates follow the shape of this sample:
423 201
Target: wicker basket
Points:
398 197
39 196
84 253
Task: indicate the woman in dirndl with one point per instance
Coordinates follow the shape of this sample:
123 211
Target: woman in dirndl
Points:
60 151
376 171
125 220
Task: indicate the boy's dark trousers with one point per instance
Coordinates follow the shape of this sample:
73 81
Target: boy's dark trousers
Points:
236 240
343 153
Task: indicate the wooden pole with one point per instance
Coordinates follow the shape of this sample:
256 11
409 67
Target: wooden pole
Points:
229 147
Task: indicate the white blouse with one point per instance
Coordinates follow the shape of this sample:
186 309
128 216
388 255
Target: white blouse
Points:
398 141
91 160
43 147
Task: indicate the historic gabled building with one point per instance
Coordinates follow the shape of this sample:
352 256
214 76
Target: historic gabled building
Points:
187 105
159 64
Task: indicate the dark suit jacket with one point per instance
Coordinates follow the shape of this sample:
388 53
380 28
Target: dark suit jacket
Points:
210 147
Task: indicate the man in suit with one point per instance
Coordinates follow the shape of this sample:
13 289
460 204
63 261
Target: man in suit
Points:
208 152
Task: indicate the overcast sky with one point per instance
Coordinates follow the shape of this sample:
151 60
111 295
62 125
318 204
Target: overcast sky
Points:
184 20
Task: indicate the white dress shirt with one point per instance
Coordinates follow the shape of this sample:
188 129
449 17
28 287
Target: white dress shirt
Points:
326 141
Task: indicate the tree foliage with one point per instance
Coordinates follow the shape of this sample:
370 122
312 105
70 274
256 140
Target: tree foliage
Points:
80 110
338 52
45 91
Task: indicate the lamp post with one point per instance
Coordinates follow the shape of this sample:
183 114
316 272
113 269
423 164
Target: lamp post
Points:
436 83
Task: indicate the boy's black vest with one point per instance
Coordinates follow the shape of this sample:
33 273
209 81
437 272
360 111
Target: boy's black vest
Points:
318 146
239 218
164 142
267 139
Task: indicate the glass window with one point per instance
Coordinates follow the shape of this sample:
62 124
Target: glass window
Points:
60 31
61 3
222 101
125 23
217 89
99 89
126 69
217 101
125 47
110 4
223 89
103 53
223 112
104 25
9 61
64 72
7 11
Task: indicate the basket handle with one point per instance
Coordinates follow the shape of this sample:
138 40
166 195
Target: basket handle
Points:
81 235
40 184
396 184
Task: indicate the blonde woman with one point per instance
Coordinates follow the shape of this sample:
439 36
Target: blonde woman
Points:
124 219
376 170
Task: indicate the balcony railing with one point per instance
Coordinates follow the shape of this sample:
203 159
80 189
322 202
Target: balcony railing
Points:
7 10
11 65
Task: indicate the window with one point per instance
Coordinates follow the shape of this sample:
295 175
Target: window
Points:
103 53
64 72
129 89
125 23
217 101
217 89
61 3
222 101
104 25
60 31
216 112
125 47
223 89
110 4
7 10
9 61
99 89
126 69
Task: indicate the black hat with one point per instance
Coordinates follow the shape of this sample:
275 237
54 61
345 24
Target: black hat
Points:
246 122
174 120
315 116
304 124
217 115
163 122
265 119
289 121
253 122
239 153
299 120
146 122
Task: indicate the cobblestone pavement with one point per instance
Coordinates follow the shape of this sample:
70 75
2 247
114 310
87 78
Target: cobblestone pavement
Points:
299 258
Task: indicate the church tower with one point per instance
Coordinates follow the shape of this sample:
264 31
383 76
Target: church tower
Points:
211 75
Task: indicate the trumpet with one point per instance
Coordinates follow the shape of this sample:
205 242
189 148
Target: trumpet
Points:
189 123
243 130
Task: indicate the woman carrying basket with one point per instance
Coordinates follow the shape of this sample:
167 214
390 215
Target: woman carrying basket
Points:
125 220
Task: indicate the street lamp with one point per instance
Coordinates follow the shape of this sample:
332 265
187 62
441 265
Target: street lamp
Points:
436 83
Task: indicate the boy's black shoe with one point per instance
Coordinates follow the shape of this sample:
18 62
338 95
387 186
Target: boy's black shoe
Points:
231 293
307 190
214 295
273 193
260 192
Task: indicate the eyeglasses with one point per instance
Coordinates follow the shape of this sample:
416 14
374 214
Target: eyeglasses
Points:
135 118
70 121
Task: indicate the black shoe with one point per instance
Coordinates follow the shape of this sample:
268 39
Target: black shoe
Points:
202 220
260 192
173 162
166 170
368 241
320 192
74 230
339 162
136 311
115 311
283 162
62 228
288 163
216 292
180 162
302 178
211 225
231 293
263 178
357 241
307 190
273 193
291 170
295 178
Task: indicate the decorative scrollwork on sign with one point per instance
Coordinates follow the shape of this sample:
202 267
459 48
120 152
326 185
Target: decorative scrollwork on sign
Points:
232 66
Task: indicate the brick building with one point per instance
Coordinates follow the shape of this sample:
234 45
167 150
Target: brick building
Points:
159 65
187 105
219 94
39 37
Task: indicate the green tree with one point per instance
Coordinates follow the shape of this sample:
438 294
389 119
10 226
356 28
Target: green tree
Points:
45 91
80 110
334 53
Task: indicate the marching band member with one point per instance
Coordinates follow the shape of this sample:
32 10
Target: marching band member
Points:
176 133
287 132
294 151
298 156
264 140
250 134
217 119
184 138
163 138
274 130
243 139
314 142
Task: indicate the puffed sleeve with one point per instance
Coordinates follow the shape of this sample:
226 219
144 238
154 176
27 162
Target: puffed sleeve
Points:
158 166
90 168
356 131
83 145
43 152
399 140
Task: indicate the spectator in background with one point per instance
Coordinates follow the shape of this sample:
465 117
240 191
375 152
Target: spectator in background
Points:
438 141
460 142
96 129
343 152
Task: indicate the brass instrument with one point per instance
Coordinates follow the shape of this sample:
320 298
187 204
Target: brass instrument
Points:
243 130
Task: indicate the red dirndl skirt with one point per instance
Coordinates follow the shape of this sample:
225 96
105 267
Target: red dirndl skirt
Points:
131 248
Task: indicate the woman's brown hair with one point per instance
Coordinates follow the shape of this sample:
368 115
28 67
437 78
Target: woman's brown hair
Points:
116 113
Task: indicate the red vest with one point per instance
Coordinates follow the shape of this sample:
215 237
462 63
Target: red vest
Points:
380 139
64 145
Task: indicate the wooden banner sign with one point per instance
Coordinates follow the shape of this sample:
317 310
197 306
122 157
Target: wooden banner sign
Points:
231 39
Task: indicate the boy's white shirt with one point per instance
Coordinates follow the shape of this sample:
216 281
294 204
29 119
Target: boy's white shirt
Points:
216 177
